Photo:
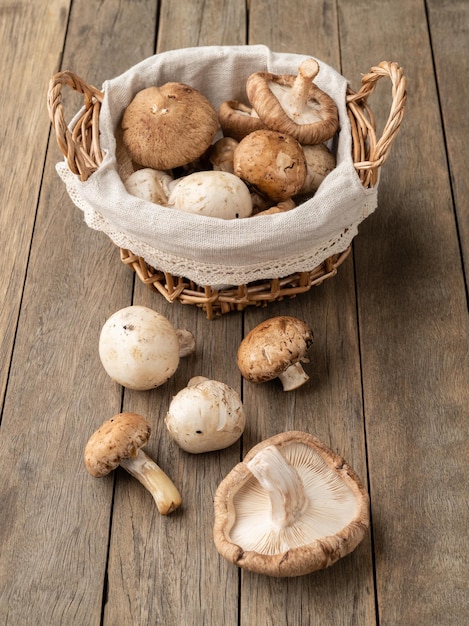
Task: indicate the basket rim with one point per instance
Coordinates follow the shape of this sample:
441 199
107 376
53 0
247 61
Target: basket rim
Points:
81 148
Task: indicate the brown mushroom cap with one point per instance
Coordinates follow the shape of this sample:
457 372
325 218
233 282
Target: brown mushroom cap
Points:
169 126
116 439
273 346
264 89
333 520
273 162
237 121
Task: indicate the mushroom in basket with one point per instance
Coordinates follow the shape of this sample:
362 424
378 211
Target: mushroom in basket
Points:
119 441
291 507
168 126
294 104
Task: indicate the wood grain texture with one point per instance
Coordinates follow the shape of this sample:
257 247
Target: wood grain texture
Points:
449 26
53 565
27 31
413 329
388 368
176 554
329 405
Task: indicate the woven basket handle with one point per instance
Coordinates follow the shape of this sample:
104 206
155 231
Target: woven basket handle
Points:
369 153
80 146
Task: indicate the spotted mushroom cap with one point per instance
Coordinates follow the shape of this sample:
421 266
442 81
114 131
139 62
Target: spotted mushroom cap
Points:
116 439
272 346
333 521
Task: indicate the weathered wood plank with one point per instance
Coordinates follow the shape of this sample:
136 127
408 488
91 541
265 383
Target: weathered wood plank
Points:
414 337
330 404
449 25
28 31
54 518
167 570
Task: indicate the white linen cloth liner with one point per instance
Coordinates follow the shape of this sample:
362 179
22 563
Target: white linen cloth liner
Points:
212 251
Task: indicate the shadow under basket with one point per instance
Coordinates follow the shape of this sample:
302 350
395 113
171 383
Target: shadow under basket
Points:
80 146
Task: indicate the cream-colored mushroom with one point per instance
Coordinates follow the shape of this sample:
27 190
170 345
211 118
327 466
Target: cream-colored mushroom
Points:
212 194
206 415
119 441
291 507
140 348
149 184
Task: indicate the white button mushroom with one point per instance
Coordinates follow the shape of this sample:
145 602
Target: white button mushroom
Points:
149 184
275 349
118 441
140 348
291 507
213 194
206 415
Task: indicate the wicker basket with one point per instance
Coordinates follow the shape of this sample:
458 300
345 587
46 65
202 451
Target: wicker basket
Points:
80 145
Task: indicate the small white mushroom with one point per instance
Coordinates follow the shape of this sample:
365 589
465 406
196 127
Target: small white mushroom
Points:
213 194
140 348
206 415
149 184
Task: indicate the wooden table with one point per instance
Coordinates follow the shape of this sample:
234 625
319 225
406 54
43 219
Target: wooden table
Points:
388 385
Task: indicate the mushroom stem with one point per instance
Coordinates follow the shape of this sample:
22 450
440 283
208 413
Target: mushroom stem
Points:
293 377
186 342
152 477
283 484
299 93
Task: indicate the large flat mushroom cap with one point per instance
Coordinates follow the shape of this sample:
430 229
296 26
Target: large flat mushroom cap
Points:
331 524
117 438
272 346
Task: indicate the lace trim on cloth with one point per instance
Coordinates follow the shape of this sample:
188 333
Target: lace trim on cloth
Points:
211 251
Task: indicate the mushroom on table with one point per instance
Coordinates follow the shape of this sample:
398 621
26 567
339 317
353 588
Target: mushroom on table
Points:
140 348
275 348
119 441
291 507
206 415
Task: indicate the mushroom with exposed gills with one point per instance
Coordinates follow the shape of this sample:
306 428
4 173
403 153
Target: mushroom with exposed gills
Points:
294 104
140 348
238 120
206 415
168 126
291 507
119 441
275 348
